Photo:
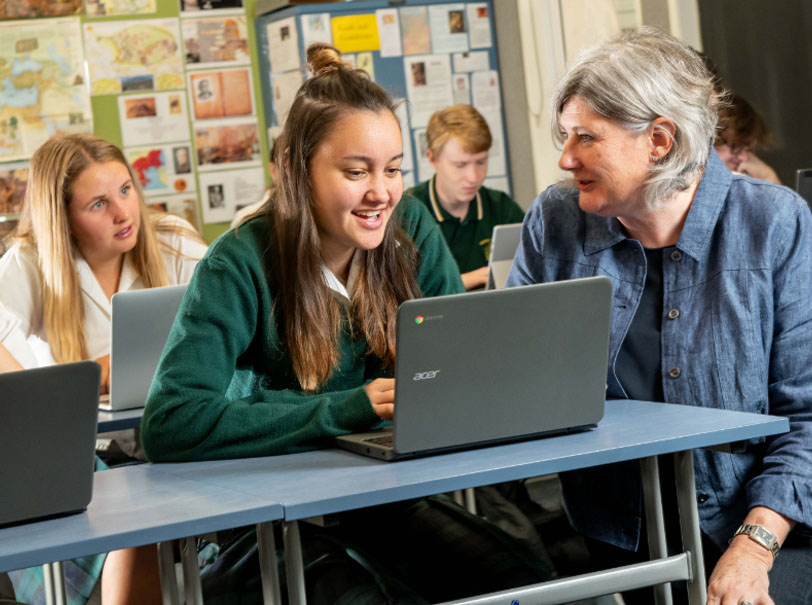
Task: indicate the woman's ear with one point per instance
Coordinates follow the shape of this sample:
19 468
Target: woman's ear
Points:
662 132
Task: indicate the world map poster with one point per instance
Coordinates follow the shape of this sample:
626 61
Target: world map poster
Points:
42 84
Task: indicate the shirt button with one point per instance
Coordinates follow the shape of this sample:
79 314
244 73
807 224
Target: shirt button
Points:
674 372
673 314
676 255
702 498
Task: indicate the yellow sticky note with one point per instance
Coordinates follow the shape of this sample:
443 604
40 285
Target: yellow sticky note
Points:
356 33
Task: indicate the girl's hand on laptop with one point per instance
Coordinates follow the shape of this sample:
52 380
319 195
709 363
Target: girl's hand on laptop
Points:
381 393
475 279
104 362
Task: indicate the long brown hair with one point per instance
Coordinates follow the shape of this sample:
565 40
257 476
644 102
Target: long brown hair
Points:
304 304
45 227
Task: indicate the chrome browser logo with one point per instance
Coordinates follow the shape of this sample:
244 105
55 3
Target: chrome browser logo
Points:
418 319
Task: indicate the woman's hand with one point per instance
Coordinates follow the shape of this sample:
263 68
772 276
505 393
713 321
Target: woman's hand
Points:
755 167
381 393
104 362
7 361
741 575
475 279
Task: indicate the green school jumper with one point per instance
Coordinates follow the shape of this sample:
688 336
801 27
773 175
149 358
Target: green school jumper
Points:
470 238
225 386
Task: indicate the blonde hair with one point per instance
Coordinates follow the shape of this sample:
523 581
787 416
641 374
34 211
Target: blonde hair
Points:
45 227
462 122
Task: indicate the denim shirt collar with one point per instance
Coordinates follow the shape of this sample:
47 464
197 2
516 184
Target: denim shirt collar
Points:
605 232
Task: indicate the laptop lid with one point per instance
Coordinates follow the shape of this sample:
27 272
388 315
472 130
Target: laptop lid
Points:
504 242
141 323
47 440
803 184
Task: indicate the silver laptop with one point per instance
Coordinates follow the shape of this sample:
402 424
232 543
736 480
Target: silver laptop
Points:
493 366
47 437
504 242
141 323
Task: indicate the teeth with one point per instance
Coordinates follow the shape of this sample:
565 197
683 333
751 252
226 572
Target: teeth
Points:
370 214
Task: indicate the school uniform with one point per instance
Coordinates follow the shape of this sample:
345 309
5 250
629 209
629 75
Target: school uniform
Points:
225 388
470 238
22 332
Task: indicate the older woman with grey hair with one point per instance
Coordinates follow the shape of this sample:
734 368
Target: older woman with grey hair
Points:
712 278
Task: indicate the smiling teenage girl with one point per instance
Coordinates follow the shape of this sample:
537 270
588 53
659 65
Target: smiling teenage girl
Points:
297 342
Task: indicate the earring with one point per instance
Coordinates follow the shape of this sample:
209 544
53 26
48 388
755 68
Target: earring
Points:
654 158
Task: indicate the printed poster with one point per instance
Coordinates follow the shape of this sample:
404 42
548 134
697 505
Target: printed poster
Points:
284 88
316 28
496 156
221 94
107 8
227 143
21 9
133 55
283 45
215 41
389 32
424 168
183 205
356 33
13 183
448 33
365 62
479 25
401 112
152 118
461 89
414 30
485 89
428 85
199 6
42 84
499 183
163 169
472 61
223 191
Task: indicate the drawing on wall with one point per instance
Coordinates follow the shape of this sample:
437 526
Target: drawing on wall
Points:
233 142
164 169
43 88
215 41
133 55
20 9
106 8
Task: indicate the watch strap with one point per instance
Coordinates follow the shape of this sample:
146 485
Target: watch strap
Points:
760 535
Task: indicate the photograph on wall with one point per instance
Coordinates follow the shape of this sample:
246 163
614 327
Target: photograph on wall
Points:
133 55
428 86
107 8
316 28
43 89
414 30
448 31
221 94
197 6
183 205
24 9
283 45
164 169
147 119
232 143
215 41
389 32
479 25
223 192
13 183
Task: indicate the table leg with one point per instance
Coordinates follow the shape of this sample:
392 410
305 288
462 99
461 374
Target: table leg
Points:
655 524
294 566
59 583
191 571
470 500
271 592
689 523
166 571
48 584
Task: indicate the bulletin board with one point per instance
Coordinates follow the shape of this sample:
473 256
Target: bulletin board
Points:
171 82
429 53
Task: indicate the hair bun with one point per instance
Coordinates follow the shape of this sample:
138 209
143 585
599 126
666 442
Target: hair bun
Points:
323 58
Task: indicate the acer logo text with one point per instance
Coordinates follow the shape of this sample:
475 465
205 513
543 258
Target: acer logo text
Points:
426 375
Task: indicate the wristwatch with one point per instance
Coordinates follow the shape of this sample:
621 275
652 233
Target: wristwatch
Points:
761 535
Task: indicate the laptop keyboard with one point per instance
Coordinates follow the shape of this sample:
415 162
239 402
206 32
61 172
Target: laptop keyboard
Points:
385 440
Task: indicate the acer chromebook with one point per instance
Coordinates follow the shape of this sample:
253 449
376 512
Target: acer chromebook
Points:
492 366
47 440
141 323
504 241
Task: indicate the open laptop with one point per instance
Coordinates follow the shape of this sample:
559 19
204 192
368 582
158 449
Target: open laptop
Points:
493 366
47 440
141 323
803 184
504 242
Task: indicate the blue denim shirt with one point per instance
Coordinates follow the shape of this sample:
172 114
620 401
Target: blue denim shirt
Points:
741 278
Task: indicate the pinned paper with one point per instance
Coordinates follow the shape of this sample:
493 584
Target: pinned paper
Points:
356 33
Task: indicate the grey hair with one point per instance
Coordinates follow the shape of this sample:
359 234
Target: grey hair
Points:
637 77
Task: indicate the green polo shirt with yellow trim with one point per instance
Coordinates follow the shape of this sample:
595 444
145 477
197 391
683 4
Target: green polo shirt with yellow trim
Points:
470 238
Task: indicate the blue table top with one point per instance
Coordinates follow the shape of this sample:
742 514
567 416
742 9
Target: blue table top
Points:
329 481
130 507
119 420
